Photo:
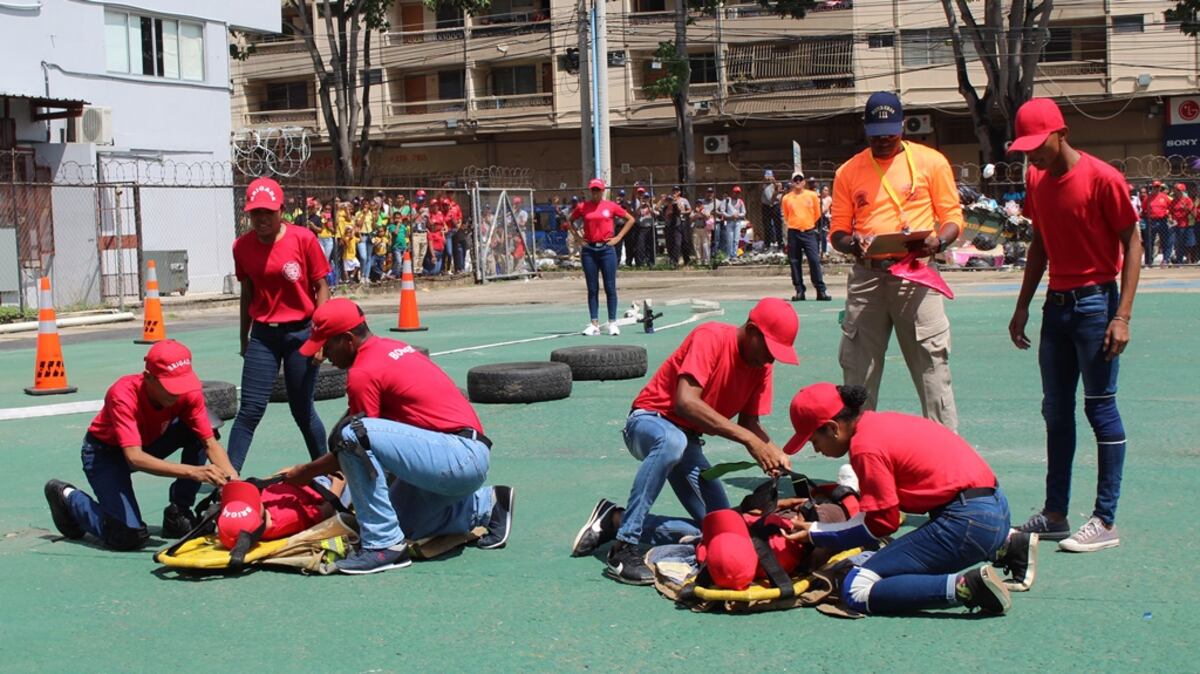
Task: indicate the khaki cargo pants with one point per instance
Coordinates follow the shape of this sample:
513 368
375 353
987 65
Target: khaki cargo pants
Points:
878 303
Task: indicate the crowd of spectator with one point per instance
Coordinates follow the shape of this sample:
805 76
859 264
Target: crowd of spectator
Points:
1169 220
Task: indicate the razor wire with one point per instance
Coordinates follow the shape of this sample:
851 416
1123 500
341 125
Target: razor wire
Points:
272 151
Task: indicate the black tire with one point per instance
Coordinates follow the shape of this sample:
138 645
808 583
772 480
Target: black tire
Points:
420 349
331 383
221 398
519 382
603 362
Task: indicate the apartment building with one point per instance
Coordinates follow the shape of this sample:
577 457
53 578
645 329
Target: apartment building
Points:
503 88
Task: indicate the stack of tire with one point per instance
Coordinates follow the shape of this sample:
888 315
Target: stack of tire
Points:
540 381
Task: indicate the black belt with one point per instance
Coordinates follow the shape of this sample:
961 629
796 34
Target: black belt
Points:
289 326
962 497
472 434
597 244
878 264
1064 297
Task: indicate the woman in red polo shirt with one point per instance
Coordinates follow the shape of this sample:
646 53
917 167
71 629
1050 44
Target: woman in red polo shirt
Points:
911 464
282 271
599 255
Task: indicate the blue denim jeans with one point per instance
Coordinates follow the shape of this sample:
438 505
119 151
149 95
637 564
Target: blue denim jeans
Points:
439 487
397 262
1160 231
729 238
268 347
668 454
600 261
920 570
1072 346
113 516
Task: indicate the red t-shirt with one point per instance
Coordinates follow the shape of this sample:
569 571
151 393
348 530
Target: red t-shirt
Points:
129 419
729 385
391 380
1158 206
1181 210
282 272
1079 216
598 216
912 463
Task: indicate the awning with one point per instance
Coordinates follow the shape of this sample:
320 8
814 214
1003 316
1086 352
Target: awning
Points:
50 108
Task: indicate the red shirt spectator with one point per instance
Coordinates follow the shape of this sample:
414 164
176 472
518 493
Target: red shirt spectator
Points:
1158 206
1181 209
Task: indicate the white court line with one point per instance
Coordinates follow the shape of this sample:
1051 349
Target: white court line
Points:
35 411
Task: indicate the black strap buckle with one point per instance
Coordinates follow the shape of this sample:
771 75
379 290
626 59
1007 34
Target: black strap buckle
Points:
362 442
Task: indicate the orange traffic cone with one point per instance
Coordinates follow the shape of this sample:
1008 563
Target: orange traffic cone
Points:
50 373
410 318
153 327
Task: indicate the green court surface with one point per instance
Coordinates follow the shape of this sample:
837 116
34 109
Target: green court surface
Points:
71 606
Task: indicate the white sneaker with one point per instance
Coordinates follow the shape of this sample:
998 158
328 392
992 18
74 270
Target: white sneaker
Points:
846 477
613 330
1091 537
591 330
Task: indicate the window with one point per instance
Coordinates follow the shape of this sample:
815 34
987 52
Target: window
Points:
881 40
372 76
450 85
703 67
1076 43
515 80
448 16
286 96
1134 23
143 45
932 47
649 6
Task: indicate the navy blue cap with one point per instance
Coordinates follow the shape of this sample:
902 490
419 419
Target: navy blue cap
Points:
677 188
621 192
885 115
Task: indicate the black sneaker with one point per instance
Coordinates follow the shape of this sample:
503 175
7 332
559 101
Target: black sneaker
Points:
627 564
59 511
177 522
501 523
371 560
798 297
1020 560
1046 528
824 297
598 530
988 593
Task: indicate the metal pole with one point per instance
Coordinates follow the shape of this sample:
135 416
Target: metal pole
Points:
596 72
585 98
137 229
720 54
119 250
603 160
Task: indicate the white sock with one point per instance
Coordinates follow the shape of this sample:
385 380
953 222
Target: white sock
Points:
67 491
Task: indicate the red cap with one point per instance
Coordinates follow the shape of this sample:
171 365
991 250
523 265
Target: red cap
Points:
1180 187
264 193
1037 119
171 364
331 319
779 324
737 189
1156 183
420 194
727 550
236 517
641 190
596 184
812 407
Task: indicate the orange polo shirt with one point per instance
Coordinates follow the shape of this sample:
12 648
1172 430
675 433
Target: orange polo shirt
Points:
801 211
861 204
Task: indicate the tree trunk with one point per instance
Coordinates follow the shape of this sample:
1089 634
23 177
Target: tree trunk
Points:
364 142
683 108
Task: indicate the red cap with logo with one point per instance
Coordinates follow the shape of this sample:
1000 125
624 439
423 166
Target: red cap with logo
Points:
737 189
1036 120
812 407
779 324
264 193
596 184
331 319
171 364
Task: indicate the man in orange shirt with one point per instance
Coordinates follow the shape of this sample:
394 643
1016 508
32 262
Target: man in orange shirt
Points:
895 186
802 213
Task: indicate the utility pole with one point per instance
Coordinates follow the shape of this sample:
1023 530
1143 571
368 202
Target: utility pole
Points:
586 161
603 168
722 77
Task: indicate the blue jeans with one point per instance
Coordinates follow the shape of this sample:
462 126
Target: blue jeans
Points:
597 261
1184 240
397 262
808 245
1072 346
920 570
114 516
729 237
668 454
1160 231
439 487
268 347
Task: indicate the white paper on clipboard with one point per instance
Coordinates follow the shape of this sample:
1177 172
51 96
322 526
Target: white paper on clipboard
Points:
892 244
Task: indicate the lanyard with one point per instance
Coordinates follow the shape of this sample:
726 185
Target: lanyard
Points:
887 186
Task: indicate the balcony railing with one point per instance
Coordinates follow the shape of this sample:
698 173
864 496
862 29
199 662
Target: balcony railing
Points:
430 107
651 18
277 44
520 23
1072 68
753 9
418 36
514 102
305 116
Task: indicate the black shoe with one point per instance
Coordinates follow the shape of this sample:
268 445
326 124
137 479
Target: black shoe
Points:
598 530
59 511
501 523
177 522
627 564
988 593
798 297
366 561
1020 560
824 297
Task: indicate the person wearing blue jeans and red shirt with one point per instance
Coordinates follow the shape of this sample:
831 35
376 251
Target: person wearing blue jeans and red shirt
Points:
145 418
1086 231
914 465
599 253
718 372
408 419
283 271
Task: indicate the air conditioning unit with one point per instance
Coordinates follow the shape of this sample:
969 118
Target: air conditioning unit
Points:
716 145
93 126
918 125
701 106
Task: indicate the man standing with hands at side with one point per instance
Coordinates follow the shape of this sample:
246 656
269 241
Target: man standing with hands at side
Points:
895 186
1085 230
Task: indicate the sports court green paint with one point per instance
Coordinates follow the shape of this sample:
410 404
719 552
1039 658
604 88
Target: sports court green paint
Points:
68 606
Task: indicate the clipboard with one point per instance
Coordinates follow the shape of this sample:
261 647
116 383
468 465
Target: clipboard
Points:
895 243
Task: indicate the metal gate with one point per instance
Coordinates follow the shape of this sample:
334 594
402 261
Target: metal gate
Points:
119 241
504 242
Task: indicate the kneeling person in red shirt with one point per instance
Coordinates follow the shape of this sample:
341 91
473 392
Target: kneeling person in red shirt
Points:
145 418
914 465
413 423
